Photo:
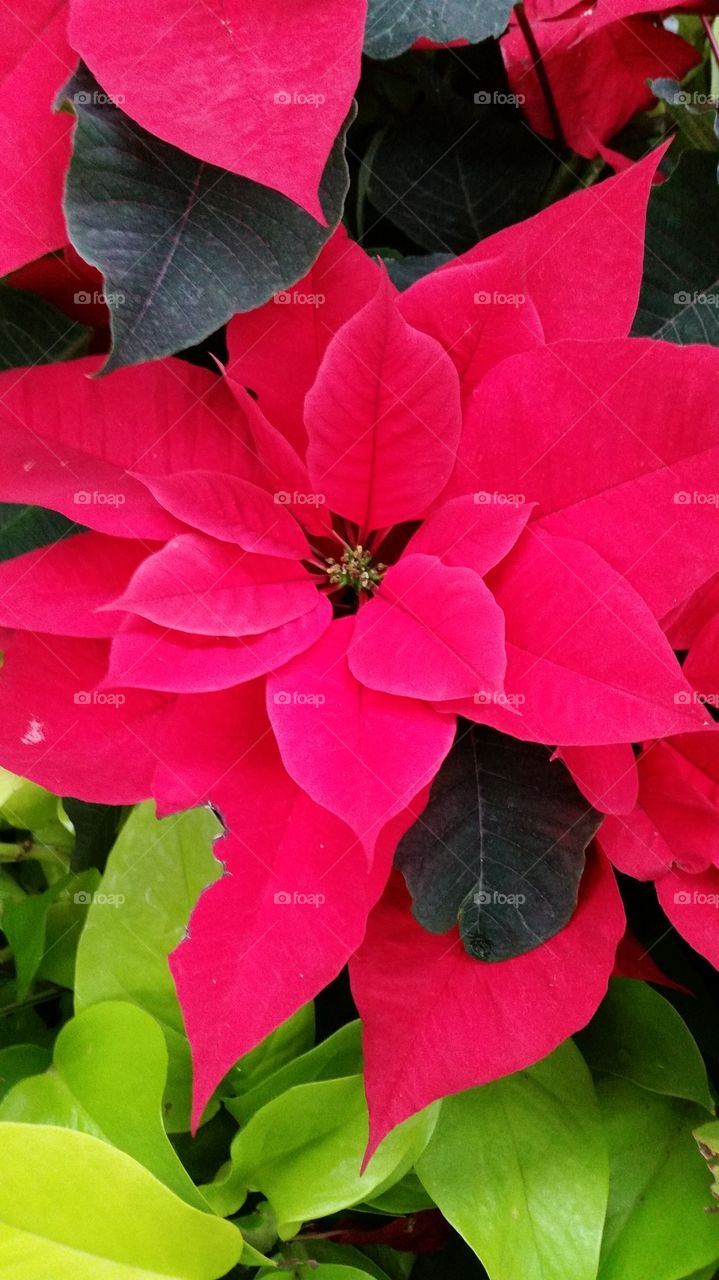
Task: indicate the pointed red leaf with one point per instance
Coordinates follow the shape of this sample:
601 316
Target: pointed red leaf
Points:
613 442
436 1021
60 730
361 754
412 638
35 61
383 418
582 258
146 656
293 331
587 665
472 531
59 588
231 509
210 588
226 83
607 776
691 903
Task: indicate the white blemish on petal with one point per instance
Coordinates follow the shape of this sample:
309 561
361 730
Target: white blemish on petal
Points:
34 733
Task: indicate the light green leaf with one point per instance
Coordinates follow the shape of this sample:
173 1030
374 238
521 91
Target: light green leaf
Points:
656 1226
288 1043
304 1152
73 1208
325 1271
24 804
107 1079
63 929
637 1035
407 1196
338 1055
155 871
519 1168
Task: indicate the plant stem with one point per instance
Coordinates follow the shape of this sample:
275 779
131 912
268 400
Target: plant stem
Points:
531 42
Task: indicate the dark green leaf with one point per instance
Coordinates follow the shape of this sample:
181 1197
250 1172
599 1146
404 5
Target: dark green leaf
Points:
25 528
406 271
636 1034
182 245
455 171
34 332
18 1061
697 124
394 25
679 300
500 846
96 827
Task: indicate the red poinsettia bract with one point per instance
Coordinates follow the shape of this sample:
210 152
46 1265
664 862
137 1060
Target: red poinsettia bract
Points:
597 60
389 510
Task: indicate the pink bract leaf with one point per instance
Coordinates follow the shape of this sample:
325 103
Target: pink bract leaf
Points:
479 312
361 754
231 509
587 665
157 418
60 731
634 961
294 899
412 638
612 441
59 588
583 50
383 418
146 656
83 487
581 258
607 776
691 903
35 61
226 83
437 1021
676 820
210 588
292 332
277 466
472 531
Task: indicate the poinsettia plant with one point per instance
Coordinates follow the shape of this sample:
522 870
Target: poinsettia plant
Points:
359 551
